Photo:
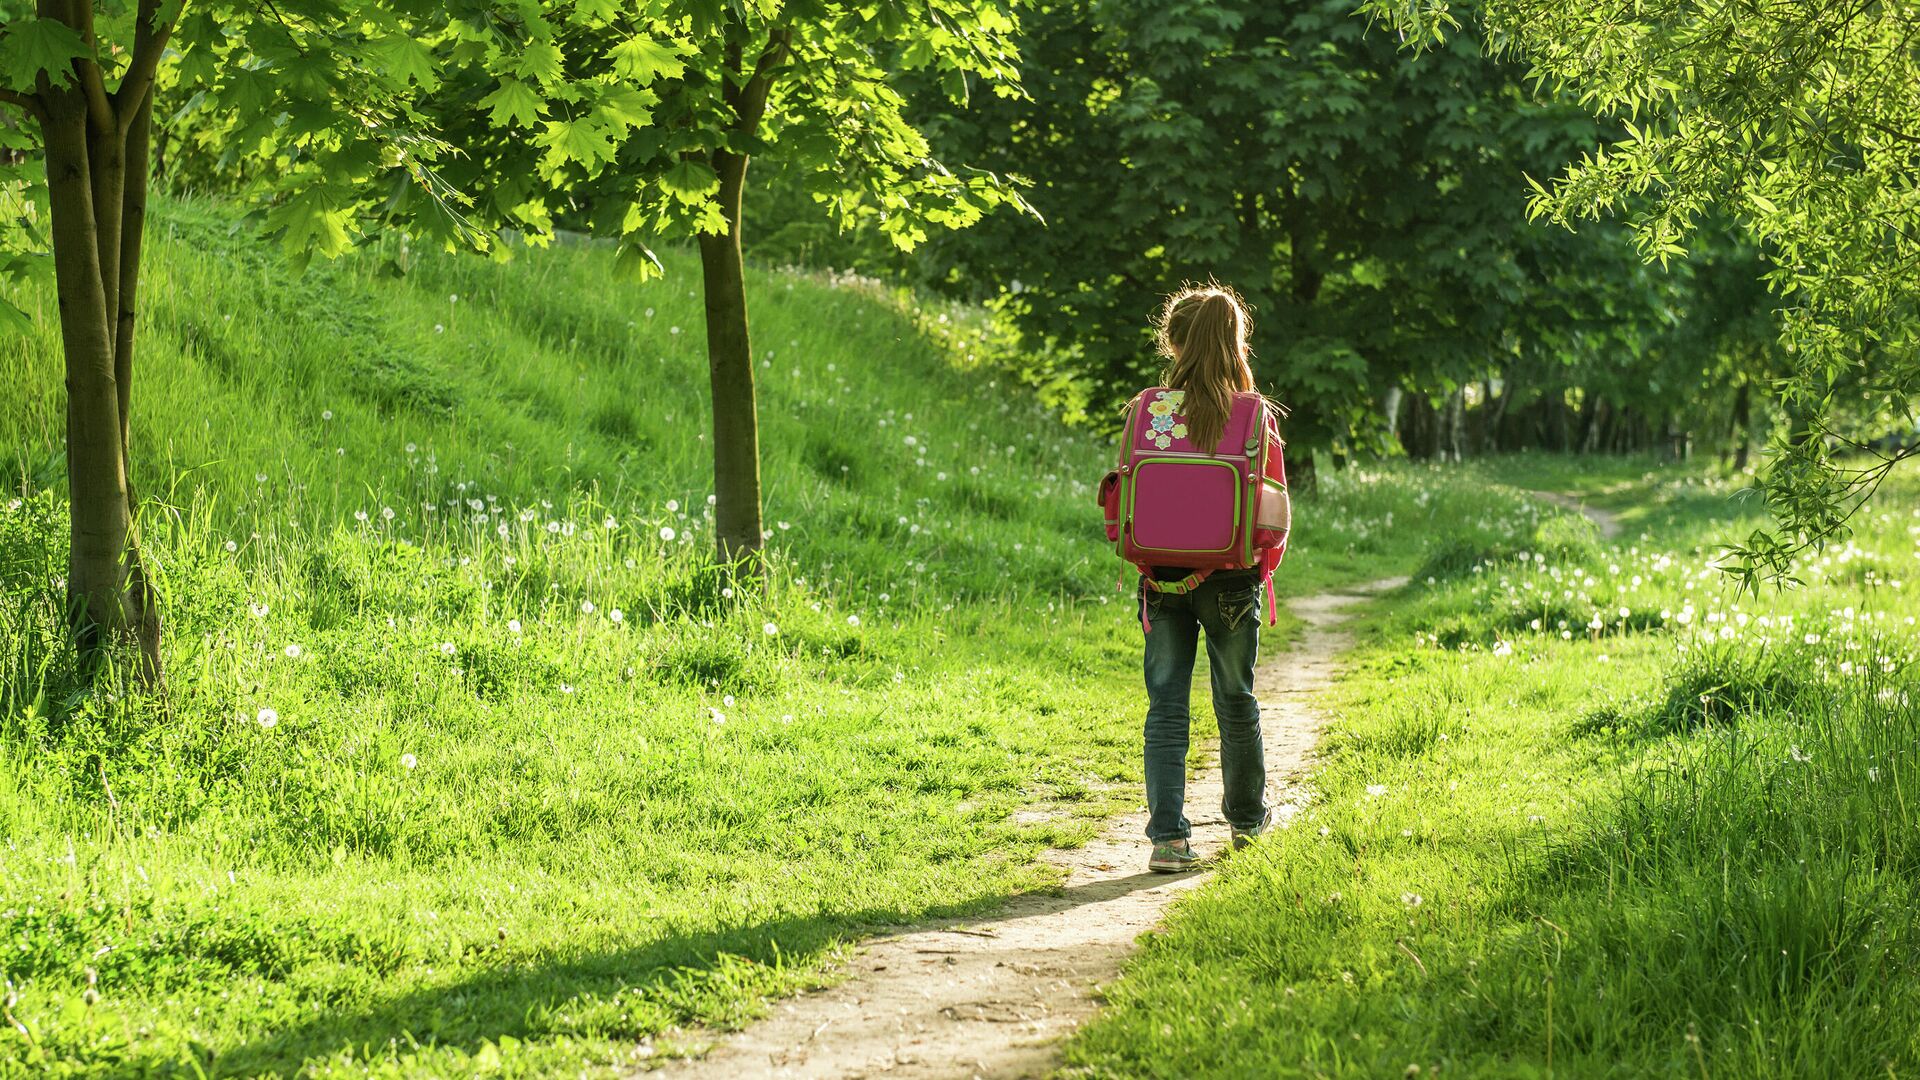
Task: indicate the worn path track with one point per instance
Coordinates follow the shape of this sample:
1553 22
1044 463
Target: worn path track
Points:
993 996
1603 520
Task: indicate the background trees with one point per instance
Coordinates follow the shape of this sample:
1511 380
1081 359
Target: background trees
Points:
1369 202
1372 209
1799 123
657 114
313 91
636 123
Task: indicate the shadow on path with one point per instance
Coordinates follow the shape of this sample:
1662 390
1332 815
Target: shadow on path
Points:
528 998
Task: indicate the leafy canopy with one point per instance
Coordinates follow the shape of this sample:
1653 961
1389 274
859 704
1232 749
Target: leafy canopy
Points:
1797 120
453 121
615 117
1369 208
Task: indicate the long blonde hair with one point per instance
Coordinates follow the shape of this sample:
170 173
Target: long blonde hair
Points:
1202 331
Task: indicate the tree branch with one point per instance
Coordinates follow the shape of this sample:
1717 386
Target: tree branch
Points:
149 44
92 82
26 103
1892 132
751 102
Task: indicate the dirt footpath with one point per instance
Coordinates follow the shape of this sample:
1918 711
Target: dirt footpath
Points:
994 995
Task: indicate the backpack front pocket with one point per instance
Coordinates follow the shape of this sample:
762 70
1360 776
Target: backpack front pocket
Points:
1185 505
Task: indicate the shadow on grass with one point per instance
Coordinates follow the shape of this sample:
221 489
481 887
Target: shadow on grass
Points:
715 979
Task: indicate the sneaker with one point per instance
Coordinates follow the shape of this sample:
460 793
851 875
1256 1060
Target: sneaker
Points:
1244 838
1172 857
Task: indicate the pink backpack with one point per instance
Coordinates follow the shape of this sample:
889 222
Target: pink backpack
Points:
1171 503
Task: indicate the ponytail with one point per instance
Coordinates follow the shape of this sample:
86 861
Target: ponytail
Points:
1202 332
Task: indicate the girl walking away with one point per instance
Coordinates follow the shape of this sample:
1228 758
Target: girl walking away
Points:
1199 505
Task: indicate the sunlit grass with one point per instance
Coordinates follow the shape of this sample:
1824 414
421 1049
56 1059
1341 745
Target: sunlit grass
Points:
469 755
1584 811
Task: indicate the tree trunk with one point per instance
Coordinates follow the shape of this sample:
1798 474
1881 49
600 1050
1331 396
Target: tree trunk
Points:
1413 429
736 422
1302 475
1596 423
1456 424
1742 426
1496 418
110 601
1390 410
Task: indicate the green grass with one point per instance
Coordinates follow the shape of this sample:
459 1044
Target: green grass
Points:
488 828
1582 812
491 826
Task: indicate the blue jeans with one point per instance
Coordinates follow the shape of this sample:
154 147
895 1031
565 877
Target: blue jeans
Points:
1229 612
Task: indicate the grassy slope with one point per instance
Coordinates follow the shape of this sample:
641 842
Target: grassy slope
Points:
1684 843
463 843
491 821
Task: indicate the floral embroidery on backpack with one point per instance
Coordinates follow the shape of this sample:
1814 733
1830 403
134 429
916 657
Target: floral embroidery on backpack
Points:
1166 423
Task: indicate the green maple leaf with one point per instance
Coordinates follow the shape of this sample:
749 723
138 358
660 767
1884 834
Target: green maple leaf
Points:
641 60
585 141
407 61
313 223
690 181
595 12
637 261
541 60
628 106
32 46
14 320
514 101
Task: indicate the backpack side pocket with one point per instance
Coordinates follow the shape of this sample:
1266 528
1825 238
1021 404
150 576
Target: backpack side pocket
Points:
1109 498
